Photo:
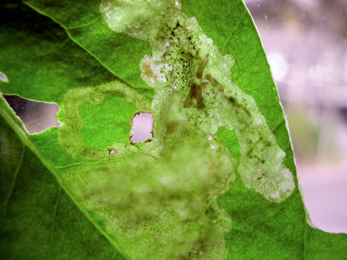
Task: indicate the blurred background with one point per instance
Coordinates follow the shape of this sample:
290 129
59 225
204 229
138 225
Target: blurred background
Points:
306 45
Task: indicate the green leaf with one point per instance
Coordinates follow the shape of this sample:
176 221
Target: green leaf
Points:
218 180
39 59
119 53
38 219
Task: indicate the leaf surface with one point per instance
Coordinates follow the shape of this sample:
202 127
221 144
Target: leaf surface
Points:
38 219
218 181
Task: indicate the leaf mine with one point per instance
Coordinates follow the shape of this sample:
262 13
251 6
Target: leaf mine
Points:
208 182
84 127
188 71
159 200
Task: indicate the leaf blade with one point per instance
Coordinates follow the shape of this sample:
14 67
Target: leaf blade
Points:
40 220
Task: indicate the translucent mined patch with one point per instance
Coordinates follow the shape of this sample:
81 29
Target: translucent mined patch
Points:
132 16
159 200
163 206
179 46
3 77
71 134
161 196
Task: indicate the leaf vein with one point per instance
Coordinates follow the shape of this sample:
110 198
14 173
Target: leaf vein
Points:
237 26
84 25
55 211
15 180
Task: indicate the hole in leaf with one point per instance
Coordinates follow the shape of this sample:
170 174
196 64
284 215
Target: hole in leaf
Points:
142 126
3 77
36 116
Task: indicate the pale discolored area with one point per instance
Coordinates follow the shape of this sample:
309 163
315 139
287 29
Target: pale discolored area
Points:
164 204
161 195
70 133
158 200
178 48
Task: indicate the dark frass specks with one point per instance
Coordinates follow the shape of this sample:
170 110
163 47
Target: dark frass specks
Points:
196 88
